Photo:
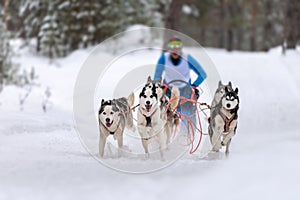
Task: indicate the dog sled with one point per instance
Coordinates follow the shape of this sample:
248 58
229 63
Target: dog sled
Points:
192 112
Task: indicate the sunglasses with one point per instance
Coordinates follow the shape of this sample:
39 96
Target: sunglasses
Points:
175 44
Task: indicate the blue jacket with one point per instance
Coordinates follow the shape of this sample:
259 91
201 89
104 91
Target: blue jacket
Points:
193 65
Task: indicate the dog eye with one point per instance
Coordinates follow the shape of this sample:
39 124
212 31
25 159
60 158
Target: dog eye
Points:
104 113
151 96
111 113
145 96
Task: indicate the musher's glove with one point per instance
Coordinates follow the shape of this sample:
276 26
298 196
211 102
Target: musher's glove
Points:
197 94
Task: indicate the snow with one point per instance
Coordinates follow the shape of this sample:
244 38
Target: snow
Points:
42 157
186 9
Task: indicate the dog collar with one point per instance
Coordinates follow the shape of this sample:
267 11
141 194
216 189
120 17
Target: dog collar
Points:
113 132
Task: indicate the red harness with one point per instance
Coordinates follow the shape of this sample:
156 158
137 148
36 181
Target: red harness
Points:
148 118
165 88
227 121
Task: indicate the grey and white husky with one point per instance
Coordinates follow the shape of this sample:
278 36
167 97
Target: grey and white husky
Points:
223 119
114 115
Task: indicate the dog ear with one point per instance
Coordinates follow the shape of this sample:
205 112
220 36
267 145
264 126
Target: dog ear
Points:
220 83
149 79
229 84
226 89
102 101
130 99
236 90
160 80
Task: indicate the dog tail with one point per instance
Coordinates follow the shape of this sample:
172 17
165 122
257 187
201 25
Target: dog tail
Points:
131 99
174 93
129 120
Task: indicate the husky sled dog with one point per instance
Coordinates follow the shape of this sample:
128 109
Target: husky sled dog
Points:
152 117
220 93
223 119
167 108
114 115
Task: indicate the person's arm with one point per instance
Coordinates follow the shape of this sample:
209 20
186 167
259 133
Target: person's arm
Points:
196 67
160 67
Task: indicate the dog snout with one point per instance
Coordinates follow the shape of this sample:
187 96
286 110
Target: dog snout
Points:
107 120
148 102
228 105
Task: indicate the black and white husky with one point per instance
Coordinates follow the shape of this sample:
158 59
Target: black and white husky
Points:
152 117
223 119
114 115
167 107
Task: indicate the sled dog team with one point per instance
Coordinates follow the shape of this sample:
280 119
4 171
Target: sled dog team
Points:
157 119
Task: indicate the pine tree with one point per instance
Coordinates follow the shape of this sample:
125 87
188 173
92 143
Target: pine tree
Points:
7 69
62 26
50 32
291 26
32 12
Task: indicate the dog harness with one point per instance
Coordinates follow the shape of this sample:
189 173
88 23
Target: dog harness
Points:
148 121
113 132
227 121
148 118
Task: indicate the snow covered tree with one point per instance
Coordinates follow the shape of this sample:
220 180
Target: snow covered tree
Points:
49 33
62 26
32 12
7 69
77 22
291 25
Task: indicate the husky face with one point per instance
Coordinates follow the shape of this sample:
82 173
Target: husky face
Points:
148 98
230 100
221 91
157 85
108 114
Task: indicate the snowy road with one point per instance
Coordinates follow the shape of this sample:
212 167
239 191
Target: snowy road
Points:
41 156
53 165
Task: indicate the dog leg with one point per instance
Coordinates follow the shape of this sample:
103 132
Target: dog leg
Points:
227 138
227 147
168 134
144 133
160 142
120 145
217 134
145 145
216 141
102 144
210 133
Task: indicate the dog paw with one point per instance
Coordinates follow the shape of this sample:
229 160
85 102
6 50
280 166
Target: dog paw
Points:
147 156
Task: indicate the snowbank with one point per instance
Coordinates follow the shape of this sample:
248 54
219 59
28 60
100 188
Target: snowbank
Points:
42 158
